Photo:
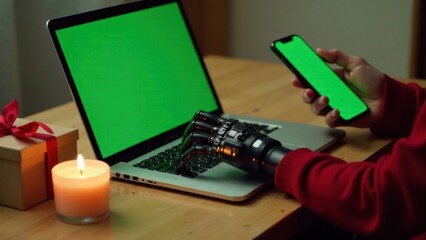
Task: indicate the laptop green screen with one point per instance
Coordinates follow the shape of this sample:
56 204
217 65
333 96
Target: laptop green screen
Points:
137 75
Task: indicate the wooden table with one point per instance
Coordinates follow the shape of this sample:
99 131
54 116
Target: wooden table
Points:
145 212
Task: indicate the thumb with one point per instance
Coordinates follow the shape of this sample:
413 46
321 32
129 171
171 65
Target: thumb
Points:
338 57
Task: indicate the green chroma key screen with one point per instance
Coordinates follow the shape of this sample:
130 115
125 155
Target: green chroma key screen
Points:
137 74
321 77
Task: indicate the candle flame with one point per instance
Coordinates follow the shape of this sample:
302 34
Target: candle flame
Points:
80 163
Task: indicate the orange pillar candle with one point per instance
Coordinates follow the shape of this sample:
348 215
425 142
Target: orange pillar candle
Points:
81 190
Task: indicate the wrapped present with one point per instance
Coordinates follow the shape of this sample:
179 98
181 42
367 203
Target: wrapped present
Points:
28 151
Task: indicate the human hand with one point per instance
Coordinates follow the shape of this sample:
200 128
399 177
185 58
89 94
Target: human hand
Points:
366 81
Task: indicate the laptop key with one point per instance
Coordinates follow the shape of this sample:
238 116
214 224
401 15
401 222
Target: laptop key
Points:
189 174
270 129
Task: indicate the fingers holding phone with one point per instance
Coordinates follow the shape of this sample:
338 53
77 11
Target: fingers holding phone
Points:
353 91
315 74
319 105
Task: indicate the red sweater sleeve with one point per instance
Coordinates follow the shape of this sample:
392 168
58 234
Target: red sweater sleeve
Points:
401 106
386 198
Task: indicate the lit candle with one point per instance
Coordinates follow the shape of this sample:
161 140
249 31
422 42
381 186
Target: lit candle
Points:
81 190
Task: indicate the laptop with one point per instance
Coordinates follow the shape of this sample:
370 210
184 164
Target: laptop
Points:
137 78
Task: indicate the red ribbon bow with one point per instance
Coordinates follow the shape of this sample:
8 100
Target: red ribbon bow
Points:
24 132
8 117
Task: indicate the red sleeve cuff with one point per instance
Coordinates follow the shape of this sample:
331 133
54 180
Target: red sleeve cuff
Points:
290 167
398 110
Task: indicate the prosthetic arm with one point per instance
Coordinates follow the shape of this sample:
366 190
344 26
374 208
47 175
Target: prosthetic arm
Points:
231 141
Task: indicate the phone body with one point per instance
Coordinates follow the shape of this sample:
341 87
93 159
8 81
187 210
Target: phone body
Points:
314 73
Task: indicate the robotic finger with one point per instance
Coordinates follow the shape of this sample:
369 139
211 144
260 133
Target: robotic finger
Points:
195 137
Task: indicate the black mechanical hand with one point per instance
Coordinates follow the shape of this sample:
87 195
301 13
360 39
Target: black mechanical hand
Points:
233 142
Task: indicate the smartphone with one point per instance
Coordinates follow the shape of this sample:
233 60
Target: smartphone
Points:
314 73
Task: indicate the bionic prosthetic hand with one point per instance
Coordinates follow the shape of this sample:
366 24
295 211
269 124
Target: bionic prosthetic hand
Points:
236 143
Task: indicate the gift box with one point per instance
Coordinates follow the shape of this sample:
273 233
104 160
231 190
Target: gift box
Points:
27 155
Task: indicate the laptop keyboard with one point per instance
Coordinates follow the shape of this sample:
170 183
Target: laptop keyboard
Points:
166 161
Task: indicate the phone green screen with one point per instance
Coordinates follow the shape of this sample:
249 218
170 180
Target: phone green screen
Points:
310 68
